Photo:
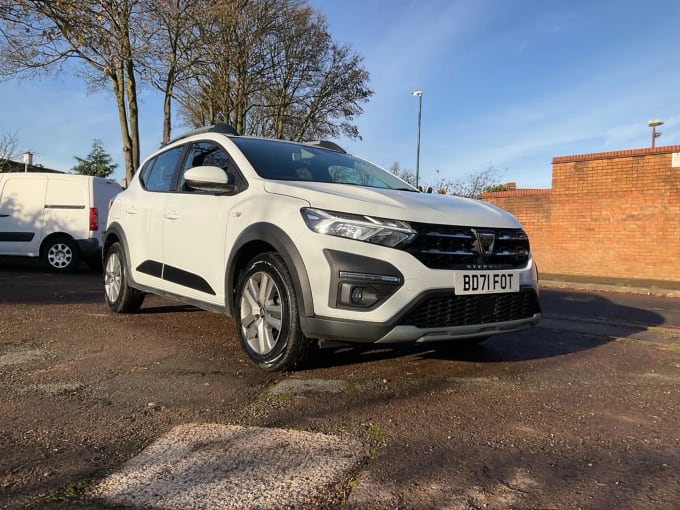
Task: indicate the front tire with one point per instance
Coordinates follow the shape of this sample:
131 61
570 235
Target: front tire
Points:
120 297
61 254
267 318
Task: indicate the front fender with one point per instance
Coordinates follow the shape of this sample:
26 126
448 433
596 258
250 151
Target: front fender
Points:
247 246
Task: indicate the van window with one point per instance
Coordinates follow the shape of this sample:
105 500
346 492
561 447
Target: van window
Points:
158 173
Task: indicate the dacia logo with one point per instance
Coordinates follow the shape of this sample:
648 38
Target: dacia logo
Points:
485 242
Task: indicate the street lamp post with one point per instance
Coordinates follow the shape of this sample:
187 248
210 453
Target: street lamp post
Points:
418 93
655 134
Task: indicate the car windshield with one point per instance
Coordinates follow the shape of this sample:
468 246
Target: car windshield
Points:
287 161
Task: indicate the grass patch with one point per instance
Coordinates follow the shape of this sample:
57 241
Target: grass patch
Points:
282 398
74 491
376 433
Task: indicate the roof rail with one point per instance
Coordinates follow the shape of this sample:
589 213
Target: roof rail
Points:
219 127
326 144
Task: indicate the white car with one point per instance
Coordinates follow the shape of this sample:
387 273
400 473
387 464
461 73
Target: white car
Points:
301 242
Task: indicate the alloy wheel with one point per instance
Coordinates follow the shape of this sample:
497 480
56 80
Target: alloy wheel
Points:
261 312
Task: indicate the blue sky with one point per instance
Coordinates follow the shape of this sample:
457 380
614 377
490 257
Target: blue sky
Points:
508 83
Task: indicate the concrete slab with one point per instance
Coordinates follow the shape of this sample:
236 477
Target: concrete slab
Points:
231 467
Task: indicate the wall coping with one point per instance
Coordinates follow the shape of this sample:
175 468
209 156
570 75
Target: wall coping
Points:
516 193
617 154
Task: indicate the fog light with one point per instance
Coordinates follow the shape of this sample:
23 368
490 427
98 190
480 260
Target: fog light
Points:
354 295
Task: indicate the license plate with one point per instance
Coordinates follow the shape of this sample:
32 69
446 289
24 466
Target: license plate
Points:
486 282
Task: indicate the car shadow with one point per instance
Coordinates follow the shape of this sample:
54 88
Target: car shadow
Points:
511 347
178 308
10 263
573 322
27 281
591 306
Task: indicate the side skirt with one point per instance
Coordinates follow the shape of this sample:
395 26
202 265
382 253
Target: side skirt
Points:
209 307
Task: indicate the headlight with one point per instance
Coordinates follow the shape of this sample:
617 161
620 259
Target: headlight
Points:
392 233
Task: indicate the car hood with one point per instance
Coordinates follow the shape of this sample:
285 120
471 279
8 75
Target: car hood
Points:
394 204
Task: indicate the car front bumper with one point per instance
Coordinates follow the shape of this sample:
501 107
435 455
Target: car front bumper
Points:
436 316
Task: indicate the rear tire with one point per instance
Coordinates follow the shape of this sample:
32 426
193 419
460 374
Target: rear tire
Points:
61 254
120 297
267 318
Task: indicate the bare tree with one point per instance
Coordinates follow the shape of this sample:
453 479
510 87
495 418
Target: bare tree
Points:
470 186
474 183
272 69
316 87
403 173
8 150
42 36
268 67
229 72
172 48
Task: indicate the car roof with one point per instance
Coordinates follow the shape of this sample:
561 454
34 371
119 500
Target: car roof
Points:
228 130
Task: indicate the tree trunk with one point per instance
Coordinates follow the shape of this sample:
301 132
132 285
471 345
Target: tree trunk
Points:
118 81
133 111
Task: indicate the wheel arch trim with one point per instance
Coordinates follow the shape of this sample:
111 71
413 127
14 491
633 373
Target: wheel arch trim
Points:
282 243
108 239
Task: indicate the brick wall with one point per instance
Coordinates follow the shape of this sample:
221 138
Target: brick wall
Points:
611 214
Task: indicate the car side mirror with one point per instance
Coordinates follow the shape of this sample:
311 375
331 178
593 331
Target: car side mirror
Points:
209 178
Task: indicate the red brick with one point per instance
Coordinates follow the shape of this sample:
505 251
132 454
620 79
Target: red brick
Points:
614 214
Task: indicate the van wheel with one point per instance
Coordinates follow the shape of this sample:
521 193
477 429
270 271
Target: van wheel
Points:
61 254
267 319
120 297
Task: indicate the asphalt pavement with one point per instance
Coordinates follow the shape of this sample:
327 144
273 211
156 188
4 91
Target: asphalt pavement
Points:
161 409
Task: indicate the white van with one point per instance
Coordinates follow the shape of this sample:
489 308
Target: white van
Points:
58 217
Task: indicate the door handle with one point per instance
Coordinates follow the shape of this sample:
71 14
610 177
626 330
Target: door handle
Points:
131 210
3 215
171 215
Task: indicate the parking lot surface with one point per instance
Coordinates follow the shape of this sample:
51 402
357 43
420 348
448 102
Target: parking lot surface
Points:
580 412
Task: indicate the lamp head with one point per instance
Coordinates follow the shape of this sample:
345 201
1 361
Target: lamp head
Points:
655 123
417 93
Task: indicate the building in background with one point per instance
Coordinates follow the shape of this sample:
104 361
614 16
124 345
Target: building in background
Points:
18 166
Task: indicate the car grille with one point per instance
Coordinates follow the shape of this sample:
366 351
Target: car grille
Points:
451 247
452 310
